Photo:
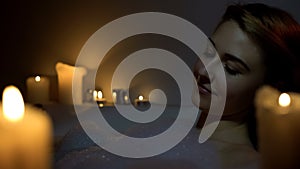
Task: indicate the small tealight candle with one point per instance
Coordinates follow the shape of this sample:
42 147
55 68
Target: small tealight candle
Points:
98 97
141 101
278 121
38 89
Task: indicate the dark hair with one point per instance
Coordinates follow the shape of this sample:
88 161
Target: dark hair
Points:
277 33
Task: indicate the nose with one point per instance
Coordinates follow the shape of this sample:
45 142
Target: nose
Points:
200 73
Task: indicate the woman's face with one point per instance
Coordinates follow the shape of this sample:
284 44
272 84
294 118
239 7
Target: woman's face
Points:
244 70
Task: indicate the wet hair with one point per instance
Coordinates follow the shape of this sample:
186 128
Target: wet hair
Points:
278 35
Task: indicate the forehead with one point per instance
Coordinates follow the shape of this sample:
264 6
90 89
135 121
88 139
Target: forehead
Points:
229 38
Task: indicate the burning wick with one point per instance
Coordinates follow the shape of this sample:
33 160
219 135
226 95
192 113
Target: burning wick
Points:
284 100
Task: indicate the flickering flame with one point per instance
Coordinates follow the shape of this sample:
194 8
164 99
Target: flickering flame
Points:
125 98
13 104
100 95
37 78
141 98
284 100
95 94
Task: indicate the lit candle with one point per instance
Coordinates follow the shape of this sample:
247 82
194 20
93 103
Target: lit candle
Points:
278 118
95 95
118 97
141 101
114 95
38 88
37 78
13 104
25 139
100 95
66 78
284 100
126 98
141 98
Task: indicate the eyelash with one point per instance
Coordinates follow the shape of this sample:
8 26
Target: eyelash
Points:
231 71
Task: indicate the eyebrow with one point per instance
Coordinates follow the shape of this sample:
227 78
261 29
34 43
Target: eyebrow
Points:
231 57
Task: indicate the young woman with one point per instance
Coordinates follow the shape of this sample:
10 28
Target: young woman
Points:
257 46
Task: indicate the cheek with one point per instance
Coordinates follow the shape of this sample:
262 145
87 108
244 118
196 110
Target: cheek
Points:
244 85
240 93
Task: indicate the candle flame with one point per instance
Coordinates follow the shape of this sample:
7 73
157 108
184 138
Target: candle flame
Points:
141 98
13 104
284 100
95 94
100 95
114 95
37 78
125 98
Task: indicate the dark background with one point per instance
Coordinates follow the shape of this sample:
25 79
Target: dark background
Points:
37 34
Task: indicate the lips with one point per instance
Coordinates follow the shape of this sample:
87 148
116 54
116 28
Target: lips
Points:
203 90
203 83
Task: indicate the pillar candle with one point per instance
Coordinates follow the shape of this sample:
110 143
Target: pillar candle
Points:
118 97
278 129
38 89
25 139
66 77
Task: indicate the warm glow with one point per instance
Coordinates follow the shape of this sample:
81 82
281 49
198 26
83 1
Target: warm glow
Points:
141 98
101 105
37 78
95 94
100 95
125 98
114 94
284 100
13 104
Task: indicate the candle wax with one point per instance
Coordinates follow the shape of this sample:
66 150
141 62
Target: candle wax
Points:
26 143
278 129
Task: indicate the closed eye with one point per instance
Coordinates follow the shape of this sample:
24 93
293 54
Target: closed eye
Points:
233 65
230 70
